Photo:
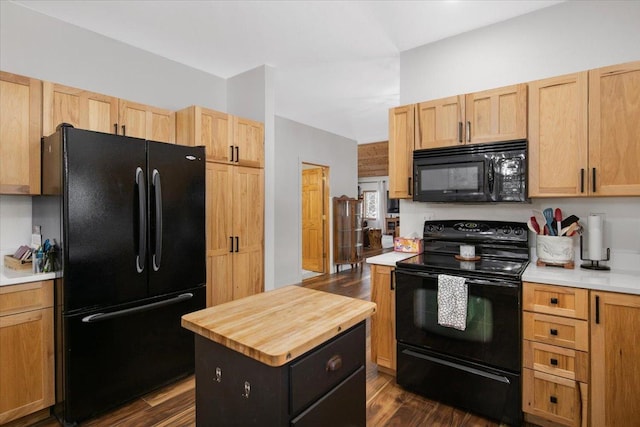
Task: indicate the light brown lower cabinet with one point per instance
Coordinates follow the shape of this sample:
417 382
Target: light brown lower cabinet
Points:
555 374
615 359
383 330
26 349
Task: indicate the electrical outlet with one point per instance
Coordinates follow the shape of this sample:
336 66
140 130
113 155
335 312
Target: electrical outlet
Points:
428 216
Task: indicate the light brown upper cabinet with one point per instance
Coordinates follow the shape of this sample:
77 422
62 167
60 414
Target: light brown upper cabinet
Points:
143 121
614 130
80 108
228 139
213 129
401 141
558 132
20 132
249 142
583 133
488 116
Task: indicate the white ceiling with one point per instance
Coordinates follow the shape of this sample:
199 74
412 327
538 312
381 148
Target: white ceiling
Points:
336 63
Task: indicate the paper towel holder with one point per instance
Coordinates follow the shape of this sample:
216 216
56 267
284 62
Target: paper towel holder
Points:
594 264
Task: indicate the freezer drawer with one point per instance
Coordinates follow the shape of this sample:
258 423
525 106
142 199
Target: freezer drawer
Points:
115 355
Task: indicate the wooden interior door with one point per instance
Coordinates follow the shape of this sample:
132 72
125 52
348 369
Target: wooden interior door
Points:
312 220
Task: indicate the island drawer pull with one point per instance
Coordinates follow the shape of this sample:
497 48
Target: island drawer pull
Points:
334 364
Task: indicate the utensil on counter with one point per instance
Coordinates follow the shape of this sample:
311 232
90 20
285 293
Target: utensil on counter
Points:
539 218
567 231
569 220
546 230
557 215
548 216
533 225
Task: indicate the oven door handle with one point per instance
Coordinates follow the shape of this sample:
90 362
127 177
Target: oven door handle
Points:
470 281
489 375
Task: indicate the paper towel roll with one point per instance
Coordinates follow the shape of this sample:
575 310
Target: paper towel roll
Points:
594 227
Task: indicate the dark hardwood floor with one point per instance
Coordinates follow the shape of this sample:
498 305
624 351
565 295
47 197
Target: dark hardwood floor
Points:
387 404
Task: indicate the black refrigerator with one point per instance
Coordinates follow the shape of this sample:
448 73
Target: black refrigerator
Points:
131 217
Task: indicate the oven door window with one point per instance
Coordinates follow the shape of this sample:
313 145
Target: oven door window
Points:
451 181
492 333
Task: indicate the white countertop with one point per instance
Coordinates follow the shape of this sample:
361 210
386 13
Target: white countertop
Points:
614 280
389 258
15 277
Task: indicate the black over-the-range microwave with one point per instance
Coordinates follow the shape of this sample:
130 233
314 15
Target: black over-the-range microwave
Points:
495 172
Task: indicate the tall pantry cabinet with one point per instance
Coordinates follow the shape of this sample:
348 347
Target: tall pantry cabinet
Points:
235 199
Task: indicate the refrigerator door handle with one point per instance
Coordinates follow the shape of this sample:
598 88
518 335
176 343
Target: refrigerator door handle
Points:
157 256
142 222
127 311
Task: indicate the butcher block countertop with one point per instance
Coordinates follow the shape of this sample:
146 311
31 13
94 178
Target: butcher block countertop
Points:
277 326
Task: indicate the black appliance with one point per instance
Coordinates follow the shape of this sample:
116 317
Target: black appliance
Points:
472 173
131 218
477 369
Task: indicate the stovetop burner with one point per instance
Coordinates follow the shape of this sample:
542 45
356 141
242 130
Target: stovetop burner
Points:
502 248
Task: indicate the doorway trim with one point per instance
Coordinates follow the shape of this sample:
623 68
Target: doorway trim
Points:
326 214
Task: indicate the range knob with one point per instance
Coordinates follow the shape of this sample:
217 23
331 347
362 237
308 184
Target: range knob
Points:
506 229
518 231
440 227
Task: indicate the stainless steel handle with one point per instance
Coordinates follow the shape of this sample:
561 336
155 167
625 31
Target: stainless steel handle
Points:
142 221
106 316
157 185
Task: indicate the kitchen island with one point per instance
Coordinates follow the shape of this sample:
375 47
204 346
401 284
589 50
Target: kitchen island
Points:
291 356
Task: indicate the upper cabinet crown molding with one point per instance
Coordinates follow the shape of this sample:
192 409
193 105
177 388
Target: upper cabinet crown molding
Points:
20 132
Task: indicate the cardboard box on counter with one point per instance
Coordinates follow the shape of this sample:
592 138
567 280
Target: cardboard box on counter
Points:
405 244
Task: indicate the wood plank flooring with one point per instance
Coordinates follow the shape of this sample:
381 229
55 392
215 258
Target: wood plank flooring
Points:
387 404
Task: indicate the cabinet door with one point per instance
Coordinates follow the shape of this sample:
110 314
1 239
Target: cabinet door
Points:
614 147
80 108
249 142
213 129
248 231
20 131
219 199
497 114
143 121
558 136
26 349
440 123
401 139
383 337
615 352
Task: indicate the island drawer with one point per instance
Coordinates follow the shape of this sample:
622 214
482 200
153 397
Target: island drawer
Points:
319 371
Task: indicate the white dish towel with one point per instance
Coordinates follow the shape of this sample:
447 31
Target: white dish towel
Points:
452 301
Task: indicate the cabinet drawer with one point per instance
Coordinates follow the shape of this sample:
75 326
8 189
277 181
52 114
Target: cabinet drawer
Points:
556 300
551 397
25 297
343 406
324 368
561 331
554 360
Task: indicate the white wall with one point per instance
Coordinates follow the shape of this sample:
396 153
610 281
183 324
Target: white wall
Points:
572 36
45 48
297 143
251 95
